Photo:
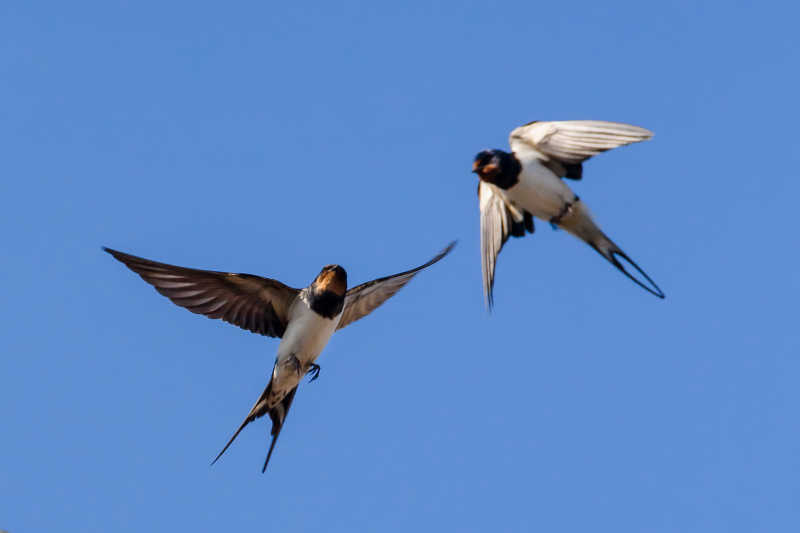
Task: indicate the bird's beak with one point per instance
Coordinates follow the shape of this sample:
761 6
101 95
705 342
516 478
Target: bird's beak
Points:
475 167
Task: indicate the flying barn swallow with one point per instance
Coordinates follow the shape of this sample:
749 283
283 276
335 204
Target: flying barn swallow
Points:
304 319
515 187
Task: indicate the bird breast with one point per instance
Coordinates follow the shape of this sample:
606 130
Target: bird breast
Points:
539 191
307 332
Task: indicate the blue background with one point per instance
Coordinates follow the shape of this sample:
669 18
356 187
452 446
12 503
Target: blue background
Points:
273 139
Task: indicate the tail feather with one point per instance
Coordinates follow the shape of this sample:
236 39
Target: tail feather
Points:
277 414
579 222
246 421
611 255
258 410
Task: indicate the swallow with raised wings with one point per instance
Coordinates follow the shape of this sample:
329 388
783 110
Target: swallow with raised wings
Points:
515 187
304 319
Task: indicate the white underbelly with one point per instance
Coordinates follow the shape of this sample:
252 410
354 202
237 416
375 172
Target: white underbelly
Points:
539 191
306 335
304 339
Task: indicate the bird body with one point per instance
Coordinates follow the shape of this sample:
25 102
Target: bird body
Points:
305 337
308 331
313 316
538 189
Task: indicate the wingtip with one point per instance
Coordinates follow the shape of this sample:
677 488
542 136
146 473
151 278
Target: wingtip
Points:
116 254
441 255
112 252
643 133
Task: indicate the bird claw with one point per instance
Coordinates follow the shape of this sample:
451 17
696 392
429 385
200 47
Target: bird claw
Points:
313 369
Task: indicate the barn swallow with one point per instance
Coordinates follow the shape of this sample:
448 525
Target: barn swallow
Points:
304 319
515 187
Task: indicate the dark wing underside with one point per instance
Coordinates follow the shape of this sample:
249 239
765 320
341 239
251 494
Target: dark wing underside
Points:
365 298
257 304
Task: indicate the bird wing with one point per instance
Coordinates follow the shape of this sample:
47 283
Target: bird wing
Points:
365 298
257 304
575 141
499 220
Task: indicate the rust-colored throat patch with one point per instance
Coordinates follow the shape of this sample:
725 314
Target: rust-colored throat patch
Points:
332 278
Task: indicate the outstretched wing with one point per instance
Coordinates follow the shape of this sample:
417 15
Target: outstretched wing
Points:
570 142
257 304
499 220
365 298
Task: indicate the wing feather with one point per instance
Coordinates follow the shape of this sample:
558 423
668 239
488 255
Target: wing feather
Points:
575 141
257 304
365 298
499 220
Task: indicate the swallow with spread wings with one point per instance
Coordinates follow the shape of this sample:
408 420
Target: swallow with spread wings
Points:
304 319
515 187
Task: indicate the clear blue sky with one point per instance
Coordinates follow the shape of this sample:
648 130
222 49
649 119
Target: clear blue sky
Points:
273 139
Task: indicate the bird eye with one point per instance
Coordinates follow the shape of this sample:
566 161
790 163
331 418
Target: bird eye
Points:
483 158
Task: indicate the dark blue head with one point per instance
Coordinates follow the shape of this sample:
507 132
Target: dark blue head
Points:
496 166
487 162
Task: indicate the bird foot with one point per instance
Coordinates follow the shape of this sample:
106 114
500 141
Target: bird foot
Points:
313 369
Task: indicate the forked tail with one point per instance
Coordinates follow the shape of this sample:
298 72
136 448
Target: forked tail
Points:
612 253
276 413
579 222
